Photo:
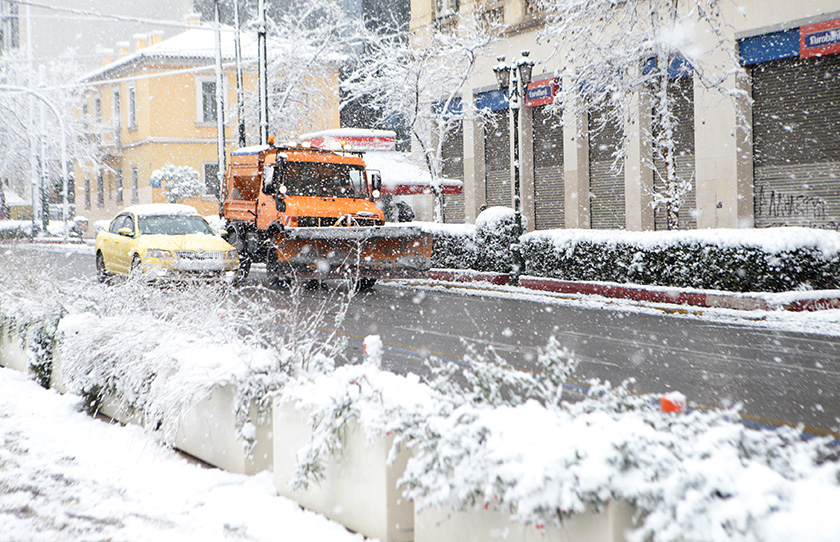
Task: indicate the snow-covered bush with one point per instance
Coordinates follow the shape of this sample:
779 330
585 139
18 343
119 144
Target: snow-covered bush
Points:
761 260
178 182
15 229
31 306
495 232
159 355
453 246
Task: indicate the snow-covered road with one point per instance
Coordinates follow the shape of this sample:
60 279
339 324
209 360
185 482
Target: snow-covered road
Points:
66 476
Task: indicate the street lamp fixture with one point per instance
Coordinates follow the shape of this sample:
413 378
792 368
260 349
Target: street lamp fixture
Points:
514 77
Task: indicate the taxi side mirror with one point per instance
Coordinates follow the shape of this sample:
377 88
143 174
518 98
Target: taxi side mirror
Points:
125 232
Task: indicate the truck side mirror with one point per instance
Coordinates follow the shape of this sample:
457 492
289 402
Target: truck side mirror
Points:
375 184
269 182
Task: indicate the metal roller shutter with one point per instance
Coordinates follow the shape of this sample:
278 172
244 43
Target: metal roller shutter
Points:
606 178
497 159
682 89
549 190
796 112
453 168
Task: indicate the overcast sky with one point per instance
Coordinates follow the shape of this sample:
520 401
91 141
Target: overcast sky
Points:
55 32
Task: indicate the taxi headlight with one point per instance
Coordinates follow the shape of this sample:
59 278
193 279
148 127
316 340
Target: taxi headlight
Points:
160 254
230 255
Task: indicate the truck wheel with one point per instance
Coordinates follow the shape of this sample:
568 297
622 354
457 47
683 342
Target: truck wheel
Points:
365 284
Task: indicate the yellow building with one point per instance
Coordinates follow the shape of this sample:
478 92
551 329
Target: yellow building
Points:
156 105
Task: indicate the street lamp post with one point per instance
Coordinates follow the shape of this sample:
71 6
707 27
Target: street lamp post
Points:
510 76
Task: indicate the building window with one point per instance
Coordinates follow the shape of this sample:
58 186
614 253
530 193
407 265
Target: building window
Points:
135 190
97 109
100 190
446 7
132 108
211 179
207 101
87 192
119 183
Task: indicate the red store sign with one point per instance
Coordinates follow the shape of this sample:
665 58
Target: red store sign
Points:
541 92
819 39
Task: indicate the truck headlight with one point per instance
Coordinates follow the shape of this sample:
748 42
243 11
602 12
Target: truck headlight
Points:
230 255
159 254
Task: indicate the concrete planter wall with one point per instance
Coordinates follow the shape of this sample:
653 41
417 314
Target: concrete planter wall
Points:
207 431
359 489
11 354
485 525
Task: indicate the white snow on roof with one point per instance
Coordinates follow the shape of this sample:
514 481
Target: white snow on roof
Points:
12 199
349 132
196 43
158 209
399 168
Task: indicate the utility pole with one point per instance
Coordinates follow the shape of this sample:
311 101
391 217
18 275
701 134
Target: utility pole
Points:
262 55
34 193
240 94
44 203
220 103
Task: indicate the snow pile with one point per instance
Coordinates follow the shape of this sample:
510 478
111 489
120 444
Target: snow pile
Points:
66 476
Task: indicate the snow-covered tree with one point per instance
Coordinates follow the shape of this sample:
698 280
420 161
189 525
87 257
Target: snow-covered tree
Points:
618 50
20 128
178 182
420 82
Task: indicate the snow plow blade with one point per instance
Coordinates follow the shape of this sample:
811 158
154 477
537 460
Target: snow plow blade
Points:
363 252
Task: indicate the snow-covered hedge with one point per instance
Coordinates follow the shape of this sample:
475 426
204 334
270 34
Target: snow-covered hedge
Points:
758 260
454 245
495 232
15 229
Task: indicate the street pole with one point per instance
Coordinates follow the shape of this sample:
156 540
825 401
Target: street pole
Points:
509 77
516 248
240 93
262 54
220 103
43 202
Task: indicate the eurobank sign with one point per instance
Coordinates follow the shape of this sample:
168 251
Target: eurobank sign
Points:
807 41
819 39
541 92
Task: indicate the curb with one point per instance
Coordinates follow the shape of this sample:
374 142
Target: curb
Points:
790 301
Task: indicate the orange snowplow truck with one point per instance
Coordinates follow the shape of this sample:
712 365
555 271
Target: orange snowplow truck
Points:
310 214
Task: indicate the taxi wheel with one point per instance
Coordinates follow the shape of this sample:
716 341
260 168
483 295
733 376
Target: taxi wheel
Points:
134 271
101 274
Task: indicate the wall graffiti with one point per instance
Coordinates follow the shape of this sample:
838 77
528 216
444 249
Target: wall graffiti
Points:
776 204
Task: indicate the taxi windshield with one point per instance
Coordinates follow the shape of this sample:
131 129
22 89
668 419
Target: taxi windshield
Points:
174 225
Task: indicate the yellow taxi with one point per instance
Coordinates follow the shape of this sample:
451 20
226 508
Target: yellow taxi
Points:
163 241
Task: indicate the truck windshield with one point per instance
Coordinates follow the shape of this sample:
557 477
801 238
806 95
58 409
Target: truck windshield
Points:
324 179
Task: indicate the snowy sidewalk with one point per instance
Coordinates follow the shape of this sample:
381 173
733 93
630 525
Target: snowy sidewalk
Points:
66 476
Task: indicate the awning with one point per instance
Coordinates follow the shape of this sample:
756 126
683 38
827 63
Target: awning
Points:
403 176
